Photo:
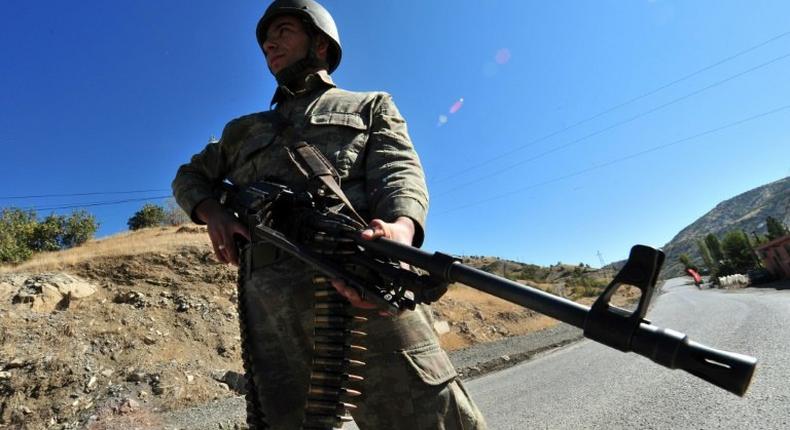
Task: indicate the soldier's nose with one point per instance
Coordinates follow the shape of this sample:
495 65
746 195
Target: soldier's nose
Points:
268 46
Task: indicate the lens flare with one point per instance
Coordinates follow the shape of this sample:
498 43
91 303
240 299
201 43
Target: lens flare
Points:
457 105
502 56
453 109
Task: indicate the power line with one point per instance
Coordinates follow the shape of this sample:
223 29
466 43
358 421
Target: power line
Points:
615 125
98 193
610 109
92 204
621 159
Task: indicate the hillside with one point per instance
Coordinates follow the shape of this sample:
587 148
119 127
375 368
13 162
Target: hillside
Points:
746 211
118 330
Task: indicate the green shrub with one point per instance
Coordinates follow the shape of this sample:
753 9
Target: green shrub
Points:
775 228
47 234
585 291
686 262
78 228
17 229
22 234
738 251
150 215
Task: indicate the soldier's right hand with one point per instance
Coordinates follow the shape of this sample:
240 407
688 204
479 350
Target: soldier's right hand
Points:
222 229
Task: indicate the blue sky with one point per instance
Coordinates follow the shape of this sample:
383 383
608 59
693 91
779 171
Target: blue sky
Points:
534 165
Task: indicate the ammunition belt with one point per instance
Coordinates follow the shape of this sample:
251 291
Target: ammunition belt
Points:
335 360
335 365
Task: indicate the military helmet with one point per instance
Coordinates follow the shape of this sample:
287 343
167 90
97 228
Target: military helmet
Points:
314 14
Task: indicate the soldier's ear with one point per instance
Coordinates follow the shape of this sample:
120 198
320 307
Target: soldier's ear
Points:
321 47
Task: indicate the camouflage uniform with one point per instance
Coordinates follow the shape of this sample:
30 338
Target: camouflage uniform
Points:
409 381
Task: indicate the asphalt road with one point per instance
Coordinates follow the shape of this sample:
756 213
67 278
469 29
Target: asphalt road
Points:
590 386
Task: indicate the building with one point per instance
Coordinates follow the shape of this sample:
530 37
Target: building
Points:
776 256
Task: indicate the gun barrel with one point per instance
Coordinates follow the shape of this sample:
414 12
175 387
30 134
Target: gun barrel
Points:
548 304
730 371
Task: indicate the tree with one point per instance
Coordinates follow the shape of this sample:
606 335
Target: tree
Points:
47 234
57 232
78 228
22 234
686 262
704 252
714 247
775 228
174 215
150 215
738 251
17 228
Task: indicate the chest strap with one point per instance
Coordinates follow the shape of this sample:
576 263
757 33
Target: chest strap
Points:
312 163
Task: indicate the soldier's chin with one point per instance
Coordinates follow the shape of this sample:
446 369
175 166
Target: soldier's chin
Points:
275 66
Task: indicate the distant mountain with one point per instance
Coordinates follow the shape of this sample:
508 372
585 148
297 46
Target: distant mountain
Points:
746 211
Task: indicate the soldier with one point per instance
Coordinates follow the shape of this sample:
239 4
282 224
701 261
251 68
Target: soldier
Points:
409 382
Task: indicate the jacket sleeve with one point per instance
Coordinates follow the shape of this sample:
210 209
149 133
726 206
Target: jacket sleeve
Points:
395 182
196 181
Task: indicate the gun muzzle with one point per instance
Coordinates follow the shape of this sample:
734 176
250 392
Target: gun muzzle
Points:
728 370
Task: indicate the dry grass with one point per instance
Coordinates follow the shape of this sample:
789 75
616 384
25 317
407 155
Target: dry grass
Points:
166 266
159 239
484 318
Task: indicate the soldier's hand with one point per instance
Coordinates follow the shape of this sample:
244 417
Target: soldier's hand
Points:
402 230
352 296
222 227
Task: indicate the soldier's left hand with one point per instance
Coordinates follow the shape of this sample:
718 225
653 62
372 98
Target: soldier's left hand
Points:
402 230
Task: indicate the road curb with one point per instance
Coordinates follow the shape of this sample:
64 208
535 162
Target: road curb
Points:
481 359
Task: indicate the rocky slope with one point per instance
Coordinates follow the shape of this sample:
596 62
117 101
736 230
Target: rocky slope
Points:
117 339
746 211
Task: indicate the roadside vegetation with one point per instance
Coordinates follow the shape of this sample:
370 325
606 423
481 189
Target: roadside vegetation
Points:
734 253
570 281
23 233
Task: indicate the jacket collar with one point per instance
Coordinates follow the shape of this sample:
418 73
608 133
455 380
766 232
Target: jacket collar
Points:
312 81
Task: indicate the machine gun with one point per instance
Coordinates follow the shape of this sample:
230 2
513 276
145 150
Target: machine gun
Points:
264 206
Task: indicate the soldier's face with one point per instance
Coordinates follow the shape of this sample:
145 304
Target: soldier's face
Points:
286 42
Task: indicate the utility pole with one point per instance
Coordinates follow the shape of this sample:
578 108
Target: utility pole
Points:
600 258
603 263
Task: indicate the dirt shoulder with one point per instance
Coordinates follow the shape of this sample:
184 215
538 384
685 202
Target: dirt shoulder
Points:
471 362
133 329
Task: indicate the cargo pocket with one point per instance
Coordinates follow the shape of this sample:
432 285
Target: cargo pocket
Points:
431 364
339 135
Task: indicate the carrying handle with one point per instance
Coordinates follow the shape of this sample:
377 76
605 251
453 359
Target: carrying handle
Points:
615 326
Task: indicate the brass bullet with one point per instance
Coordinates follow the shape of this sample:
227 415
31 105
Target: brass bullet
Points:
319 279
328 390
331 305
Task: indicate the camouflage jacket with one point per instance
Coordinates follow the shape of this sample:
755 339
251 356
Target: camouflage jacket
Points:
361 133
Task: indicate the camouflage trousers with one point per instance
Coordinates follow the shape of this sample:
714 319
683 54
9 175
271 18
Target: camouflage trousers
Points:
409 382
